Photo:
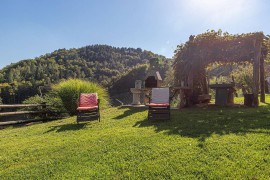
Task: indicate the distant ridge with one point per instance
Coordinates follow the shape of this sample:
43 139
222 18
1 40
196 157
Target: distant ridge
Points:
99 63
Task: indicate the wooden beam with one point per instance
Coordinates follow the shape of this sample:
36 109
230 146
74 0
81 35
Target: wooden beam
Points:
20 105
256 72
21 113
262 79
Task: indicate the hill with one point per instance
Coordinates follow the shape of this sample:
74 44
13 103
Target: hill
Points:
99 63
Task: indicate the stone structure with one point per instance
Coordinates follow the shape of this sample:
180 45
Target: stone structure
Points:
137 92
152 79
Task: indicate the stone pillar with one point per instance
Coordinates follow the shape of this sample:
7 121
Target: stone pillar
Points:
137 92
138 84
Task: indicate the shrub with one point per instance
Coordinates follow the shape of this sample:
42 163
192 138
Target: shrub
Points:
54 102
244 78
69 92
34 100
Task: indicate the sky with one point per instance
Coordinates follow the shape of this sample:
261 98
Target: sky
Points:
30 28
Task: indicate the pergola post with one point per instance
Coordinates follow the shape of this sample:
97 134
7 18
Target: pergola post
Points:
190 79
262 79
256 73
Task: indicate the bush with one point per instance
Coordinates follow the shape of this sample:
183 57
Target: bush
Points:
54 102
34 100
244 78
69 92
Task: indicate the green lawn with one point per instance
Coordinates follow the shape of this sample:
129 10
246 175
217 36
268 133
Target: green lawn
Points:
198 143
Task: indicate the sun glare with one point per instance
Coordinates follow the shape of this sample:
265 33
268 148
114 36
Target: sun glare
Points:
220 11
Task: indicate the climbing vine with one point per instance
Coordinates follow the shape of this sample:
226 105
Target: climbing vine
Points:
192 57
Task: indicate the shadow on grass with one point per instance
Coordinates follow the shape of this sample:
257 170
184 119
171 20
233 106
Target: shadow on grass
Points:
130 111
30 123
202 123
66 127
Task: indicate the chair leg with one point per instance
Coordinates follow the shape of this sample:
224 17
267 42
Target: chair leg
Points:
149 108
169 109
78 116
88 116
98 115
159 113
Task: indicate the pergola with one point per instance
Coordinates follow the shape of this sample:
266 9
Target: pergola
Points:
192 58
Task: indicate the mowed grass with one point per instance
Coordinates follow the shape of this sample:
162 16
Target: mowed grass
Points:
198 143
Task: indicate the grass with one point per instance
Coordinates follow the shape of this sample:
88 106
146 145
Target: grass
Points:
198 143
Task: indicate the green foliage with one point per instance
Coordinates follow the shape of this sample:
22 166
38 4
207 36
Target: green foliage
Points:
55 103
244 78
127 80
169 76
200 143
215 46
34 100
69 92
51 99
242 74
98 63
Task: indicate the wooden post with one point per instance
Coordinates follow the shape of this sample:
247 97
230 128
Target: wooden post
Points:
256 72
43 109
205 83
190 84
190 79
266 87
262 79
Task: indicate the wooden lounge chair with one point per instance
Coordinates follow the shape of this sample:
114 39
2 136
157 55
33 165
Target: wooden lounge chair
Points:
88 107
159 107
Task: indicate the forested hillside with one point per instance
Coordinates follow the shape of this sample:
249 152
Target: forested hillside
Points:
98 63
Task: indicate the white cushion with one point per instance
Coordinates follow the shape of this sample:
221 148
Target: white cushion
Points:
160 95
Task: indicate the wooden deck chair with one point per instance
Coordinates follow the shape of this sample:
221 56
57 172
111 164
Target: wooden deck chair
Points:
159 107
88 107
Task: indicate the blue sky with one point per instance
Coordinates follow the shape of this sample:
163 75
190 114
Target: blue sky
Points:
30 28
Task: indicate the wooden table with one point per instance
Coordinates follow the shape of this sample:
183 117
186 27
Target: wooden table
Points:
224 94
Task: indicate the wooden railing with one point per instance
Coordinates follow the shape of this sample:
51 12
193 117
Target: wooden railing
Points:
41 112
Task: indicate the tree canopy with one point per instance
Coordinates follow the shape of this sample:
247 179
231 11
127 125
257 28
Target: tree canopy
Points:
98 63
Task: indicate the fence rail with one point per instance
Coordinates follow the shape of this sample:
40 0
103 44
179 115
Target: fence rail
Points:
16 112
21 105
20 113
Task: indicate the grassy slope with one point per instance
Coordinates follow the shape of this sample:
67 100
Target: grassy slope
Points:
209 143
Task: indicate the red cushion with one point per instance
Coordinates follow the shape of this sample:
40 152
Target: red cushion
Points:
88 100
158 105
86 108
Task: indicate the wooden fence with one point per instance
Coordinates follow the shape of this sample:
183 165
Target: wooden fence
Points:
13 110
